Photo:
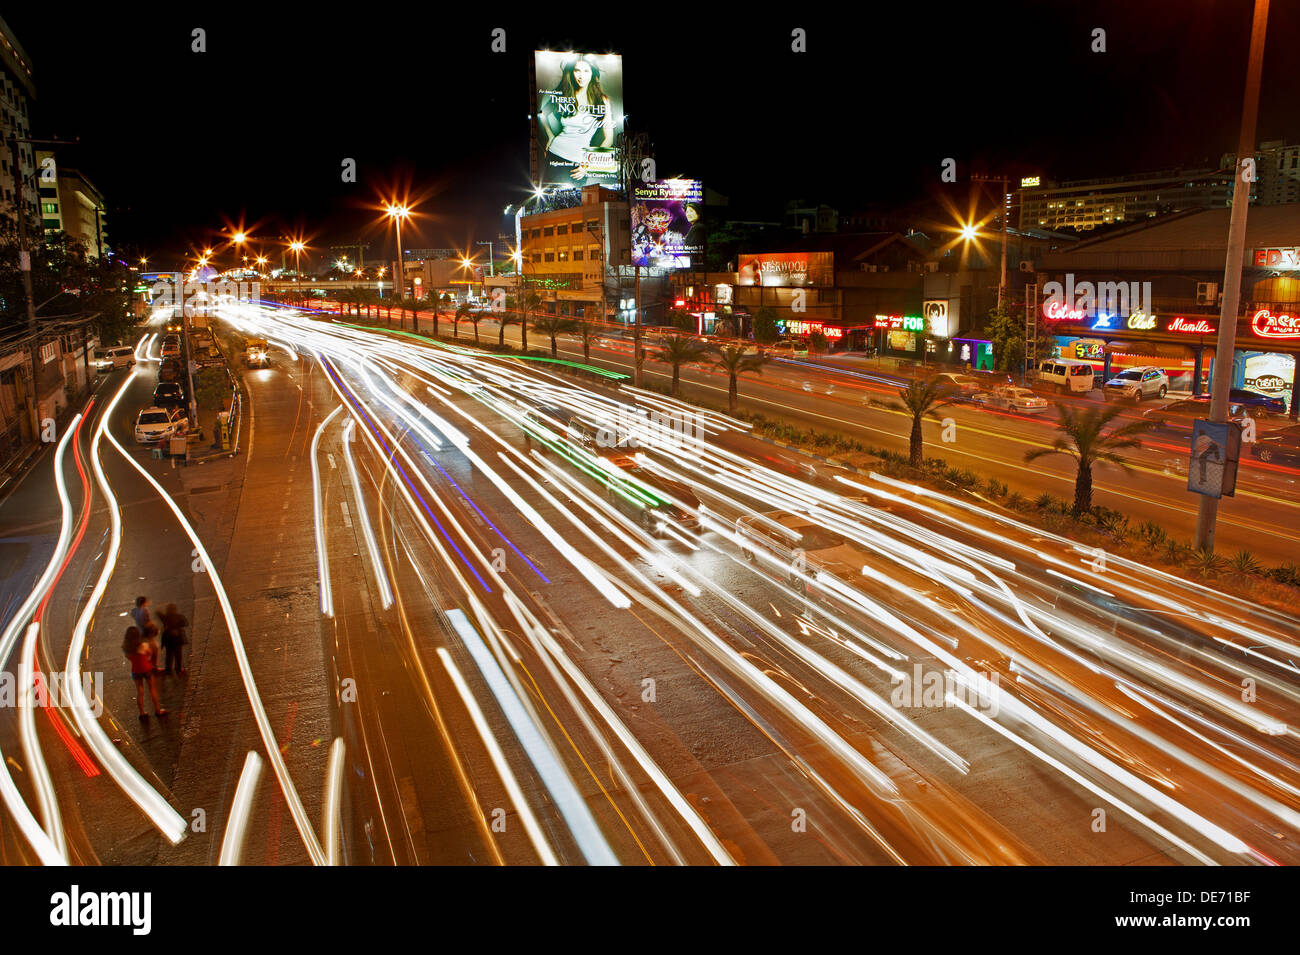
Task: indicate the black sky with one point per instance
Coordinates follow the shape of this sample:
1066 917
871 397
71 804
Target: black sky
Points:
257 126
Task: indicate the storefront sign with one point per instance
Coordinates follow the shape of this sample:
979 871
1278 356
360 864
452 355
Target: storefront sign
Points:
1141 320
1285 258
1267 325
1089 349
902 341
799 327
908 323
1060 312
1028 182
1190 326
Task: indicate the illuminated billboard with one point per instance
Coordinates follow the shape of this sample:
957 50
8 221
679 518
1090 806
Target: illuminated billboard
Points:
579 118
667 223
787 268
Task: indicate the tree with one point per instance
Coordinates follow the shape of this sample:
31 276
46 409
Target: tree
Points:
415 304
462 312
1084 437
502 315
765 330
475 316
921 399
733 360
1008 338
679 350
531 300
587 332
681 319
818 343
553 325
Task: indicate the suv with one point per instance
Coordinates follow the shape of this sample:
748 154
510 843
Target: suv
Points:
788 536
117 356
1134 384
168 394
660 501
155 424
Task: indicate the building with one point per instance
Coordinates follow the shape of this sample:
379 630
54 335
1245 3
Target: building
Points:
17 90
70 203
576 258
1086 204
1277 167
1149 295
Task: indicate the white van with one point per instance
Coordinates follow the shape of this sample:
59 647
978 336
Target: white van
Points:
1068 375
115 356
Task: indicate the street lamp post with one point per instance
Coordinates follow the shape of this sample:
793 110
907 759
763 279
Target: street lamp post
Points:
1208 509
296 248
397 213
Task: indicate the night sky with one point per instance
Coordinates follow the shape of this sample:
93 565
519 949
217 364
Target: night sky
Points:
255 129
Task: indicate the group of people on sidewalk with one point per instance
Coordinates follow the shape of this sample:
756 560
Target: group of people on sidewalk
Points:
141 646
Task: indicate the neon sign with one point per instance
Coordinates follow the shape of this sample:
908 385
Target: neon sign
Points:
1029 181
1267 325
1190 327
1060 312
908 323
1141 320
799 327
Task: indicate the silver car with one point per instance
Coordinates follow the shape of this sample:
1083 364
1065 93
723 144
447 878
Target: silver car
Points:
1135 384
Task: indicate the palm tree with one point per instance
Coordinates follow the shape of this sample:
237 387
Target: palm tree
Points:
587 333
921 399
733 360
414 305
553 325
680 350
462 312
1084 437
531 300
475 316
502 317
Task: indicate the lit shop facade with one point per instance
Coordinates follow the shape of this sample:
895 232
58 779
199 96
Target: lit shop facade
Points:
1183 346
1151 295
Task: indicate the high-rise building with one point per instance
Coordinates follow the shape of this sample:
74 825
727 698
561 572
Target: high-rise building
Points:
1277 168
1085 204
17 90
70 203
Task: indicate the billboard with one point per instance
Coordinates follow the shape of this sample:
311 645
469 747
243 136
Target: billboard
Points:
667 223
579 118
787 268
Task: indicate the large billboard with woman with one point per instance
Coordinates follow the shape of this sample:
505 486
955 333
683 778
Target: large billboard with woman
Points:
579 118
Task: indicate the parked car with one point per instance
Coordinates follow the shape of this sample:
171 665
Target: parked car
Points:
788 348
1253 400
953 386
674 503
171 347
168 394
115 356
170 370
157 424
1011 398
1175 419
1068 375
789 535
1278 447
1135 384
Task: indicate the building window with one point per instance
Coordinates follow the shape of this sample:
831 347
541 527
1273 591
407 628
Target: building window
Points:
593 226
577 255
562 229
548 230
537 256
550 257
563 256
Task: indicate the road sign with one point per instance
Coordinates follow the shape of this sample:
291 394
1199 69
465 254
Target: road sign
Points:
1216 447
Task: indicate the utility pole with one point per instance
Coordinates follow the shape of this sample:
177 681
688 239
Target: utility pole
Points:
634 150
1002 199
1207 512
491 267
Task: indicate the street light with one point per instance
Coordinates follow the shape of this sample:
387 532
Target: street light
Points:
296 247
398 213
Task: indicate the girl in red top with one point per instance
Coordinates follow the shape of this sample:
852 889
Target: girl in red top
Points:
144 657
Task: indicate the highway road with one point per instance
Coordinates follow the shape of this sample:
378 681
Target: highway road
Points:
514 597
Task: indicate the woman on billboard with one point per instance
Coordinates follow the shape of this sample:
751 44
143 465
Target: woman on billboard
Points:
579 121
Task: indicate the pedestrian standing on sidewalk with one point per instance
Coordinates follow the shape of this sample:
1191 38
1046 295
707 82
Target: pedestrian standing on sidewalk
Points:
143 657
173 636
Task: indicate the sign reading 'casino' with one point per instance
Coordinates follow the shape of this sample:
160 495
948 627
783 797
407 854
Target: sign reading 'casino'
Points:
1267 325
